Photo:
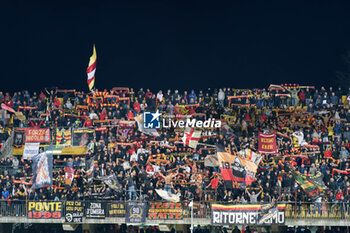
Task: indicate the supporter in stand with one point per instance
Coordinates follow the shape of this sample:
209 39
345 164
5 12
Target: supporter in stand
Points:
315 138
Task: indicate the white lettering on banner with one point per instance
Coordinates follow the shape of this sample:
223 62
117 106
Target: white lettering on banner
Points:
95 205
242 218
239 218
216 217
96 211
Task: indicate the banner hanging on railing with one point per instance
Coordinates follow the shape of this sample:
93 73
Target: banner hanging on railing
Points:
95 210
44 209
31 149
74 211
165 210
18 137
82 137
116 209
37 135
135 212
63 138
247 214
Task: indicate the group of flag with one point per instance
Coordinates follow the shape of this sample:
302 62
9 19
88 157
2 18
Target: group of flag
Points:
239 168
42 172
190 138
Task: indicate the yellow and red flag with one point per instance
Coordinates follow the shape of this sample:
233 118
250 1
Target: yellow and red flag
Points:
91 69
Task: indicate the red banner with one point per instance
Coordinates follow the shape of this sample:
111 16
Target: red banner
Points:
267 143
37 135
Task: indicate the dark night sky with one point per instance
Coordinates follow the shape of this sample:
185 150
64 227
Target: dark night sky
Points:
172 43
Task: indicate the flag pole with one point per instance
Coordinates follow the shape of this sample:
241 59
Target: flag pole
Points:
191 205
202 144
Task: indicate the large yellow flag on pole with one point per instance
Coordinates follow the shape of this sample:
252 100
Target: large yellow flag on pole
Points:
91 70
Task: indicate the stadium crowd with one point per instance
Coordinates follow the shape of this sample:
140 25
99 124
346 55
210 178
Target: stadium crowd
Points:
313 128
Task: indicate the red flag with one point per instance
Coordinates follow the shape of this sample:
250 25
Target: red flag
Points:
69 174
267 143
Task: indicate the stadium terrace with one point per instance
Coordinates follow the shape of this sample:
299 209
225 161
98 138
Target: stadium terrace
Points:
74 157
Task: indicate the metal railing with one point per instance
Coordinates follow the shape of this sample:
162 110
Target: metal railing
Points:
12 208
302 210
336 210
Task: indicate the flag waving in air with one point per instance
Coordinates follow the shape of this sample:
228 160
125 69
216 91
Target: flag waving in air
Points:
234 168
250 155
191 137
112 182
69 174
42 169
312 185
90 169
91 70
166 195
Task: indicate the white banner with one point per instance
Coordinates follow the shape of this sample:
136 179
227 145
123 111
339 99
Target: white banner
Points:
31 149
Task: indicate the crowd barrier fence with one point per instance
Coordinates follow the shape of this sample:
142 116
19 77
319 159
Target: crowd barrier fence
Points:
113 208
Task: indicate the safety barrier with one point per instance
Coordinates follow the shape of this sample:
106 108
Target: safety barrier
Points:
112 208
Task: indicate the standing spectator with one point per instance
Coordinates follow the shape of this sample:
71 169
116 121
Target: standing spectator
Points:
130 184
302 98
317 206
221 97
294 95
253 197
137 107
5 193
160 97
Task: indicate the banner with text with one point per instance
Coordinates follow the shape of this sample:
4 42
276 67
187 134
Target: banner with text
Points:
37 135
116 209
267 143
44 209
95 210
165 210
135 212
74 211
247 214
